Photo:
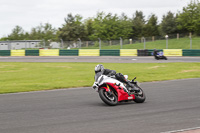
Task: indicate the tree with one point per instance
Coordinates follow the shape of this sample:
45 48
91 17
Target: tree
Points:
89 28
49 33
125 26
4 38
72 29
111 26
189 19
138 24
151 28
168 24
43 32
17 33
98 26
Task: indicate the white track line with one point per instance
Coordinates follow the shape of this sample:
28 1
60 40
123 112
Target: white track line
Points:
182 130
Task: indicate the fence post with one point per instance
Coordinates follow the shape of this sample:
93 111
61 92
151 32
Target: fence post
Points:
44 43
25 44
190 42
110 42
177 36
79 42
166 41
99 43
121 43
86 43
9 45
153 38
62 43
144 42
130 41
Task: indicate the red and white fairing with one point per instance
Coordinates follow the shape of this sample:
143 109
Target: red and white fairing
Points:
115 84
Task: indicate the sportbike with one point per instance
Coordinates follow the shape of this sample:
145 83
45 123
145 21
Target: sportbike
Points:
112 91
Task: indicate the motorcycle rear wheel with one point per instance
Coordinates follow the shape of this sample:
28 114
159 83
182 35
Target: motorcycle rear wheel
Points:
111 100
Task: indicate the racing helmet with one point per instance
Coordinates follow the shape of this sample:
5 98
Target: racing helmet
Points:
99 68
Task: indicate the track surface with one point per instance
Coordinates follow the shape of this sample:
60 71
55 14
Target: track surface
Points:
170 105
108 59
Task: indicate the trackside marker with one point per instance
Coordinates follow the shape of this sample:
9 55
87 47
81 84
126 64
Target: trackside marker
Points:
188 130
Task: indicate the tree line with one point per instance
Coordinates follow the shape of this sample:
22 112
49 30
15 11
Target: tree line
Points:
108 26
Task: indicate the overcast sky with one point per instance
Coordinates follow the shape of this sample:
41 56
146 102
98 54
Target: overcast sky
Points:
30 13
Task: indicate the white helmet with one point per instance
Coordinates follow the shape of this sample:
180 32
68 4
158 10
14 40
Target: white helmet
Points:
99 68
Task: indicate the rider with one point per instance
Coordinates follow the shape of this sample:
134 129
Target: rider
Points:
119 76
155 52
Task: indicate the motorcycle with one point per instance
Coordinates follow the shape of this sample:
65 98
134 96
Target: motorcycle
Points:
159 56
111 91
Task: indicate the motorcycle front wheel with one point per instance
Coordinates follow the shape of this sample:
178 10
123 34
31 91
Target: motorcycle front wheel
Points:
109 99
140 96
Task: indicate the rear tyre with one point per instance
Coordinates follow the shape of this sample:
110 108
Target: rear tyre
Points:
109 99
140 96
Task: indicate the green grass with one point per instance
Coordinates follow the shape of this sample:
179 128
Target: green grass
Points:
21 77
182 43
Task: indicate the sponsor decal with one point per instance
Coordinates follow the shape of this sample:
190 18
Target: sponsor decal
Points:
130 97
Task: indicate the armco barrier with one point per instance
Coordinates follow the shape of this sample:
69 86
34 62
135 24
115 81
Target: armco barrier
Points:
191 52
109 52
49 52
172 52
128 52
17 53
4 52
89 52
68 52
31 52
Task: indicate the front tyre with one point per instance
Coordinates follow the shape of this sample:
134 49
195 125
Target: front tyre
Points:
139 96
156 57
107 98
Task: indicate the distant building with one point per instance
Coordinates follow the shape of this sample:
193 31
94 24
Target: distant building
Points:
19 44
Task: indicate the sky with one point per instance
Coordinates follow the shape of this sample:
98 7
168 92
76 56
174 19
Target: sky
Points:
31 13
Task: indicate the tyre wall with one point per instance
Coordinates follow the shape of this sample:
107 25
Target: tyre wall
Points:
31 52
4 52
191 52
97 52
108 52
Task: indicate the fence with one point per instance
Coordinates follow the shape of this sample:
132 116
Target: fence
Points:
175 41
155 42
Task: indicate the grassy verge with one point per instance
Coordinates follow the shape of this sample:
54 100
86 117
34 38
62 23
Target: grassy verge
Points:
20 77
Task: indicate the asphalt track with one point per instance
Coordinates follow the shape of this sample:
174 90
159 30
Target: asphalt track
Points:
170 106
105 59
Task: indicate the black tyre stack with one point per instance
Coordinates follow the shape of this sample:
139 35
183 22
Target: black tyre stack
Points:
142 52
